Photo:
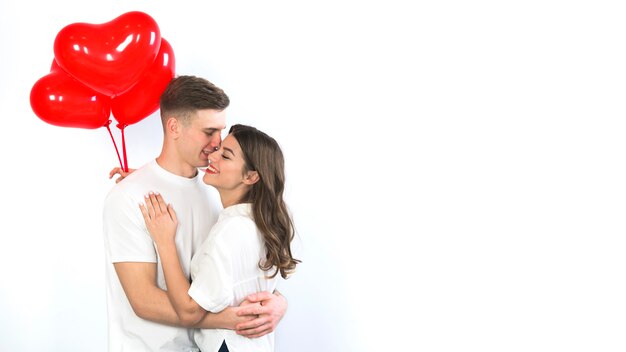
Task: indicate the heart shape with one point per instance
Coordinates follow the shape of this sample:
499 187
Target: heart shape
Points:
60 100
109 57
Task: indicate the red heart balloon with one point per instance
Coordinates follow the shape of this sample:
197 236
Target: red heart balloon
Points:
110 57
143 98
60 100
54 66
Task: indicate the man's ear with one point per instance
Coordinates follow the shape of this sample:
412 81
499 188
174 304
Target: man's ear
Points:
251 178
172 127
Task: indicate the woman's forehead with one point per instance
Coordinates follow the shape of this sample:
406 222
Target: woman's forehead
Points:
231 143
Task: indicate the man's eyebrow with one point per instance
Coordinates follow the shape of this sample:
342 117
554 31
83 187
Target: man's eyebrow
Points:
210 130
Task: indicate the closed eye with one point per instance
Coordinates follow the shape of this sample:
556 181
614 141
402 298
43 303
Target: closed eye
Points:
210 131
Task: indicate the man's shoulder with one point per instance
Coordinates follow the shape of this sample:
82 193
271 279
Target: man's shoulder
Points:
131 184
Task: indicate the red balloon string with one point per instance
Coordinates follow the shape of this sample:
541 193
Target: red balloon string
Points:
114 144
121 127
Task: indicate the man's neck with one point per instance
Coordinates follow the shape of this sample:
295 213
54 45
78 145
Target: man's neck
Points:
176 167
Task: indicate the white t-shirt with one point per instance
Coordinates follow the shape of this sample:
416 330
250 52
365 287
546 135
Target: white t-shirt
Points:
224 271
126 239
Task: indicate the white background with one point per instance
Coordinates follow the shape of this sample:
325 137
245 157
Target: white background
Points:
455 169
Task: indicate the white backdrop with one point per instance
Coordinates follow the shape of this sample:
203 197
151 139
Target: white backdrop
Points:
455 169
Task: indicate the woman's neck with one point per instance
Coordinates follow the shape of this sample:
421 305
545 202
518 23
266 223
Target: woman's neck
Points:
230 198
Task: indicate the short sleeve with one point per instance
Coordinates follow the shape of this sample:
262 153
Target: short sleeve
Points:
212 286
125 235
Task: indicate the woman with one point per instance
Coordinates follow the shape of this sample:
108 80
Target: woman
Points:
247 247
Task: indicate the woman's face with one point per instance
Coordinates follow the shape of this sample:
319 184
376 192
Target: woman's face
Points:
226 166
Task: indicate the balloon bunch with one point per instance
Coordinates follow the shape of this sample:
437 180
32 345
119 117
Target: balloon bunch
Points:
119 67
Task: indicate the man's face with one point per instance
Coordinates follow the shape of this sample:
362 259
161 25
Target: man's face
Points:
202 136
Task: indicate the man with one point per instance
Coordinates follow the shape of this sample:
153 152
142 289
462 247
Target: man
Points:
140 315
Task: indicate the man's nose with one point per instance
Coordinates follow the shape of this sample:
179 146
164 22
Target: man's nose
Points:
216 141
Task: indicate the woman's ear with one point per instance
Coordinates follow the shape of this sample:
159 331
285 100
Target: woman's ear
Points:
251 178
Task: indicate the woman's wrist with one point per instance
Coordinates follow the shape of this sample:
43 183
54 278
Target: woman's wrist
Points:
164 245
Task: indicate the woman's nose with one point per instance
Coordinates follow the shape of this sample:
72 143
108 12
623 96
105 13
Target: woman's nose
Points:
213 157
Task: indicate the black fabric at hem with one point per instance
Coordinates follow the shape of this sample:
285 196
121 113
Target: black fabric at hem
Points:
224 348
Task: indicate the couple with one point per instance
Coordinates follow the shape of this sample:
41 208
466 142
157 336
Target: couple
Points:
162 225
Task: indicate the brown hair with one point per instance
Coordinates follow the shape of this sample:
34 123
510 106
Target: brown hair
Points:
185 95
262 154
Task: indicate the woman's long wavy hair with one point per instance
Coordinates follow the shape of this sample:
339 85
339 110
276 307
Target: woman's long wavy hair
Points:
262 154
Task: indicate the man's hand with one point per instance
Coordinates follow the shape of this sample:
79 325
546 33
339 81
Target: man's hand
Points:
267 308
121 172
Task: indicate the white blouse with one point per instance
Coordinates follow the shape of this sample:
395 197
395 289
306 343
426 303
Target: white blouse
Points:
225 270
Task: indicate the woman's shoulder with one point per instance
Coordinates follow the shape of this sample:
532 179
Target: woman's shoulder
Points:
234 226
233 232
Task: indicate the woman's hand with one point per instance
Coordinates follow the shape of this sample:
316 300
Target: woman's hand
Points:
160 218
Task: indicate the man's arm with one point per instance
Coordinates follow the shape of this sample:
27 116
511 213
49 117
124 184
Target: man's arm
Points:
255 317
152 303
226 319
146 298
